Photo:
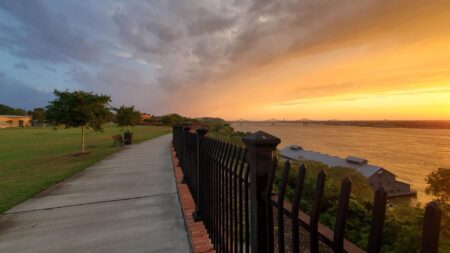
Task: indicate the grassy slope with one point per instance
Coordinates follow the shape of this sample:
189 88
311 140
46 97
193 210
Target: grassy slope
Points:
32 159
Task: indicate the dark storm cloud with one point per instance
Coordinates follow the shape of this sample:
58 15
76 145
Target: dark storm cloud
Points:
204 40
143 48
206 22
197 41
190 42
17 94
43 35
21 65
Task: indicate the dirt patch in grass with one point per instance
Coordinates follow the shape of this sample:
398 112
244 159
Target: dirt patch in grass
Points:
80 154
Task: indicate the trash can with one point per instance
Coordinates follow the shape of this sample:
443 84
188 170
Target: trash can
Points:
127 138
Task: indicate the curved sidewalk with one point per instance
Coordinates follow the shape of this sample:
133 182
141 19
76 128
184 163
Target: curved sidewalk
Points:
126 203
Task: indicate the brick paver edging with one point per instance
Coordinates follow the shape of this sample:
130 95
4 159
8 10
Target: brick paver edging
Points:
200 241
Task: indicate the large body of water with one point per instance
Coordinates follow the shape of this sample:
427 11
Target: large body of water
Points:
408 153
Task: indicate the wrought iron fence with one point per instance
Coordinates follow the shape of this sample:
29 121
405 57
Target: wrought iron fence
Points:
232 190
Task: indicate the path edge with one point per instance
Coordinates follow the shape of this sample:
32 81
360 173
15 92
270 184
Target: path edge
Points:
198 236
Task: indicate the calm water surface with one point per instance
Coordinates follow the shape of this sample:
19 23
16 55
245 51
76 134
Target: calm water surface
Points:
409 153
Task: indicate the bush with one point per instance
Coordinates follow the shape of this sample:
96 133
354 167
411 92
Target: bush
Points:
403 224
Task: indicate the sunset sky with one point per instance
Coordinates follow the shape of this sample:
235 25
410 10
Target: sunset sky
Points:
233 59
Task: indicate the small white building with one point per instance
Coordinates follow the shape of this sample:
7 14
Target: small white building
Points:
376 176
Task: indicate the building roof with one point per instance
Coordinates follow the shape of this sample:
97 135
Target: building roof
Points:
359 164
15 116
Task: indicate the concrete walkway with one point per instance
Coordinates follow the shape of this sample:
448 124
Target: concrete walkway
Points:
125 203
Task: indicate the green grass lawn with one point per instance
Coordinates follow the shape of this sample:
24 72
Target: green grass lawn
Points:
32 159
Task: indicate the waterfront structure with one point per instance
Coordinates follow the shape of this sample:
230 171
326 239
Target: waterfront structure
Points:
376 175
15 121
233 190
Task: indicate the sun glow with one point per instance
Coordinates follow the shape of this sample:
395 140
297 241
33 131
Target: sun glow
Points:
380 81
429 103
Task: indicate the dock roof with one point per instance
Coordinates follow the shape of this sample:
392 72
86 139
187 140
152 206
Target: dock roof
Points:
359 164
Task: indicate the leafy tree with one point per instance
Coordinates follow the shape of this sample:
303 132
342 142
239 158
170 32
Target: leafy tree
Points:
127 116
4 109
171 119
79 109
403 224
37 115
438 185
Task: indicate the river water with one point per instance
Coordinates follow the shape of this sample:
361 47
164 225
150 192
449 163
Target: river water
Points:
411 154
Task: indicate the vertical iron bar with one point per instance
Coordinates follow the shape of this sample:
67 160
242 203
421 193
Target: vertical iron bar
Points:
186 129
235 200
296 207
179 143
269 209
219 189
222 198
341 217
173 136
241 201
233 197
280 207
228 197
314 219
225 198
378 215
247 207
216 194
208 192
212 211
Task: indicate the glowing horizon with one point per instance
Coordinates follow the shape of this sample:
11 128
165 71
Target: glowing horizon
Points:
401 75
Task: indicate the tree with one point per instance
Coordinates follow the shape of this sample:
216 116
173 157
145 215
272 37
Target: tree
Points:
4 109
171 119
79 109
127 116
37 115
438 185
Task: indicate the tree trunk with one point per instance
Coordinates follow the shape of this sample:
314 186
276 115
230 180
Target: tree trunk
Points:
82 139
90 137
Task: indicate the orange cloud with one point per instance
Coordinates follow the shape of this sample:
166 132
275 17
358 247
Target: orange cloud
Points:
388 62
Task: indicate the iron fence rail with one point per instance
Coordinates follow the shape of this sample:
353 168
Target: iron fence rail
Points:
232 189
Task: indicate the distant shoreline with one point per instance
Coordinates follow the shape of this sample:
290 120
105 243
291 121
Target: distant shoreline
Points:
417 124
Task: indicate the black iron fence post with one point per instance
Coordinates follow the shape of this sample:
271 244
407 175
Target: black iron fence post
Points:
185 131
179 128
181 146
431 228
174 137
176 140
261 157
200 133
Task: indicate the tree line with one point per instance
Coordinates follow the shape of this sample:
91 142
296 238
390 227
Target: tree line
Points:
91 111
79 109
37 114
